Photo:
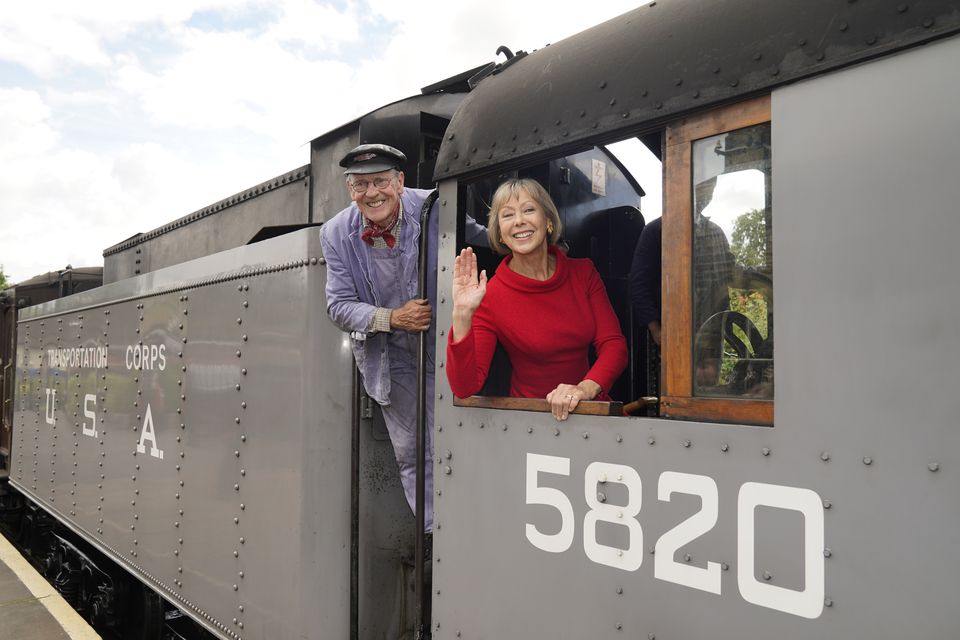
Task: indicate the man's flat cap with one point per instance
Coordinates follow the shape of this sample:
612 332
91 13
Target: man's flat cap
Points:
372 158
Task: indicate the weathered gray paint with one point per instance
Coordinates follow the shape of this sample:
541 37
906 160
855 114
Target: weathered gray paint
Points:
249 506
226 224
865 196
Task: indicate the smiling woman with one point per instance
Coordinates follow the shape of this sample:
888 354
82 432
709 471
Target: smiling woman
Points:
544 308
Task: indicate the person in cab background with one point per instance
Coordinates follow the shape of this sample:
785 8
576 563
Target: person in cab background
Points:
372 252
544 308
713 273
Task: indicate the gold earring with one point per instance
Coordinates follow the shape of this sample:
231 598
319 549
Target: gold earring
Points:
549 227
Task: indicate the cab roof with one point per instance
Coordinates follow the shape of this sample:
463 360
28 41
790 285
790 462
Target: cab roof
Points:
666 58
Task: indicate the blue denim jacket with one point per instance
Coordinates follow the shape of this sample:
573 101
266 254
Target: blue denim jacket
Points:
351 296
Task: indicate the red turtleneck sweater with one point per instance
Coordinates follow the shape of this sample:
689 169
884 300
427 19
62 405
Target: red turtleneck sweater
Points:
546 328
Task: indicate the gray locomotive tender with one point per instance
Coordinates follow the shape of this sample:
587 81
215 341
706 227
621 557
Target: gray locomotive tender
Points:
191 419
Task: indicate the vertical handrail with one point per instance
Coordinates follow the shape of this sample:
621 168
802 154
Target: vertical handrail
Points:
418 555
355 415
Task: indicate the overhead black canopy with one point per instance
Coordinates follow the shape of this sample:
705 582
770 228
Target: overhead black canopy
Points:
671 57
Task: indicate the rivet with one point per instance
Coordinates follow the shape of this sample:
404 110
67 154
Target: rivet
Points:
757 56
933 466
827 553
724 447
585 435
767 575
619 626
927 23
867 460
447 470
651 440
686 444
235 587
827 602
725 566
687 557
529 429
603 84
765 451
872 39
827 504
802 42
821 55
844 26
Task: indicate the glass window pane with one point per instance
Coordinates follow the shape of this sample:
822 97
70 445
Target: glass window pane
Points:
733 265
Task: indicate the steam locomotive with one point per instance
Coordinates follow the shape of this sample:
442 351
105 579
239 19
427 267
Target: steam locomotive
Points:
181 436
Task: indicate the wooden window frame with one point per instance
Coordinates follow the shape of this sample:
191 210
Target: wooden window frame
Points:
677 399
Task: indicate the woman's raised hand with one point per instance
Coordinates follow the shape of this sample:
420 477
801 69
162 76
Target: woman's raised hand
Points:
469 287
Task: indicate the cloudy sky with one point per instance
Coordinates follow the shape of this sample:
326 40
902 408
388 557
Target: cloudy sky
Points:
117 116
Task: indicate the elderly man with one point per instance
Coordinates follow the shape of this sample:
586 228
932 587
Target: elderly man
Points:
372 252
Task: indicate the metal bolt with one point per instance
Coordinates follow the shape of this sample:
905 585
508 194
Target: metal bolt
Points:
447 470
933 466
765 451
825 456
827 504
686 444
724 447
767 575
828 602
827 553
867 460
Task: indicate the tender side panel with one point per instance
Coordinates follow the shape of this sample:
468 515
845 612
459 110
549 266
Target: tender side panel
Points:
197 430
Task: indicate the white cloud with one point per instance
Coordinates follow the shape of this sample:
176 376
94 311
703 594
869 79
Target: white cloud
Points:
126 115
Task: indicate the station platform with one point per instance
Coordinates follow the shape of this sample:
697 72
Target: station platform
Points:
30 608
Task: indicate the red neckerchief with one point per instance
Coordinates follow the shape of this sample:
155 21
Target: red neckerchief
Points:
371 230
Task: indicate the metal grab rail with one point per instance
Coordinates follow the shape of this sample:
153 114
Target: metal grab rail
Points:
419 587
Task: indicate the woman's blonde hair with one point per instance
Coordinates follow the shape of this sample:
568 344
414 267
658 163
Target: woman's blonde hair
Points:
511 189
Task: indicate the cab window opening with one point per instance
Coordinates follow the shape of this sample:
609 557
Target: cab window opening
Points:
599 197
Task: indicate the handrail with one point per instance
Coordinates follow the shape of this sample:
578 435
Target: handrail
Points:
585 407
419 551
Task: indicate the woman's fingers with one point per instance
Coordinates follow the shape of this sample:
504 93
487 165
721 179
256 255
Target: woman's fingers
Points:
563 400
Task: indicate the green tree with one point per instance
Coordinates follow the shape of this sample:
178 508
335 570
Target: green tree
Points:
749 244
3 279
